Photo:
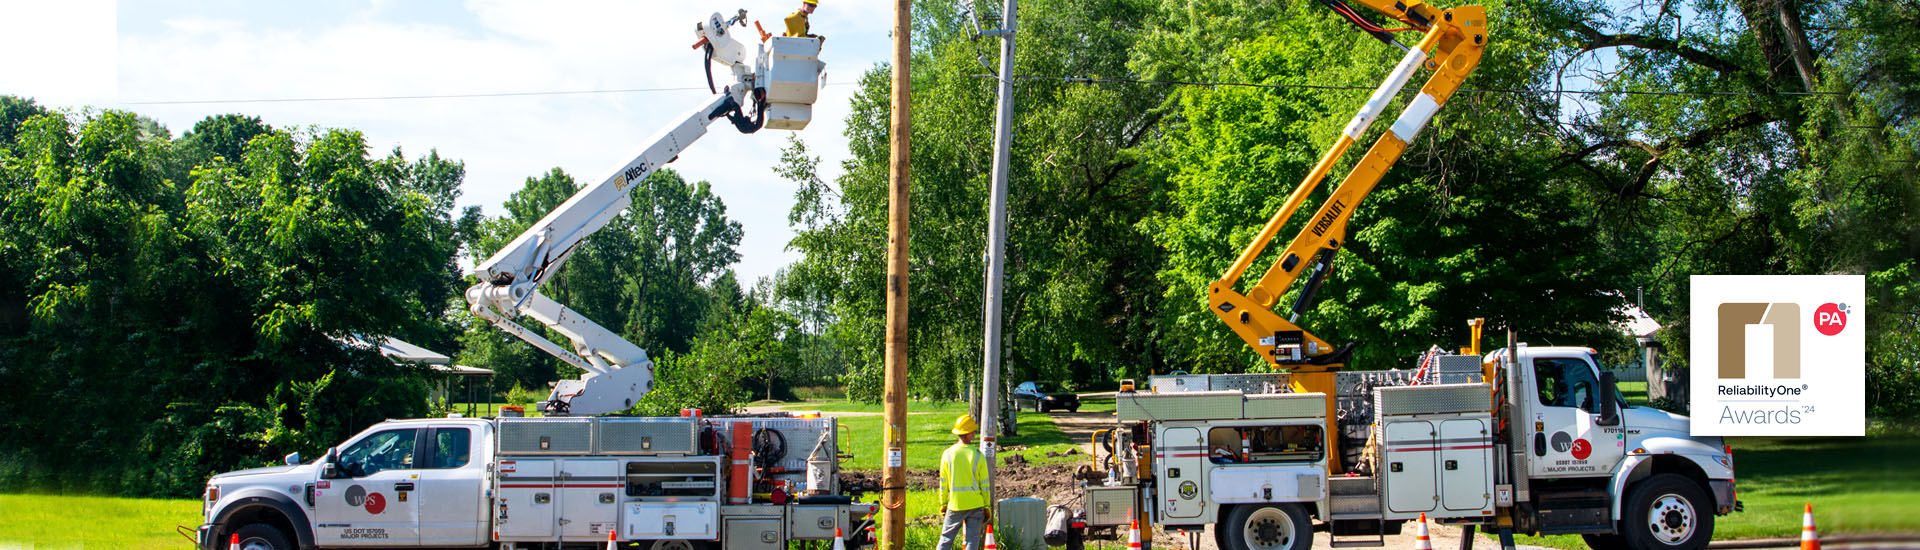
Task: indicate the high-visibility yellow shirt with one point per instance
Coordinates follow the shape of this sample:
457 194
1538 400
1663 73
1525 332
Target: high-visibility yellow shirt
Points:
963 478
797 24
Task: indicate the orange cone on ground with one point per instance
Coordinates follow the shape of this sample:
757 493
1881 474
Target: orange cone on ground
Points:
1421 541
612 543
839 543
989 545
1809 538
235 544
1133 533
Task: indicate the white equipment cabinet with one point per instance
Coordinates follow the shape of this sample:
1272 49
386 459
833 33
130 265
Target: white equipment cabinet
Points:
1436 450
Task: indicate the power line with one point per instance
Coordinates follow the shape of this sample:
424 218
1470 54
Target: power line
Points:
1516 91
432 96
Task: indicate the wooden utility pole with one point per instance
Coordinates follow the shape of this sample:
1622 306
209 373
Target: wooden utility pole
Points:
893 479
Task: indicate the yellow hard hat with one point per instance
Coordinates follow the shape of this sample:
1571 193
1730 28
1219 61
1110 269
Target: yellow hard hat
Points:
965 425
810 2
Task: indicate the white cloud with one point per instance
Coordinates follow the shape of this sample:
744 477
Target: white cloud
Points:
501 46
62 51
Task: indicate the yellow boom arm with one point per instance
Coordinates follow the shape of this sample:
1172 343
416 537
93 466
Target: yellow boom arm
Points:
1456 38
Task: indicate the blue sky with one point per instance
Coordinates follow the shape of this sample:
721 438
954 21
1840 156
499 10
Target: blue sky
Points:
123 55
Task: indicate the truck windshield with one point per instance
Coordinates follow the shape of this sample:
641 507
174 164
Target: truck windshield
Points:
1566 382
388 450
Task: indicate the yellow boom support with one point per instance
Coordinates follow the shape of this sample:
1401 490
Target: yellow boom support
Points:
1456 38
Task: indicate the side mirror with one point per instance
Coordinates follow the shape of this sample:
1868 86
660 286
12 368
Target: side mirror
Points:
1609 401
330 467
293 459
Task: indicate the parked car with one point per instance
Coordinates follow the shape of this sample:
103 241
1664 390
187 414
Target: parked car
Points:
1043 397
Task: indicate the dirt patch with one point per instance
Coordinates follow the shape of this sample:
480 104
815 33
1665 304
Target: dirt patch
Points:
1050 482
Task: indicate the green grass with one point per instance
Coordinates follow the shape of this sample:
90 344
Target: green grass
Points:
1856 484
927 437
48 522
820 393
1634 392
915 407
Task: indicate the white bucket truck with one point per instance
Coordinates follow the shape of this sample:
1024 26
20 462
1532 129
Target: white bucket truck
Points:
685 483
1525 439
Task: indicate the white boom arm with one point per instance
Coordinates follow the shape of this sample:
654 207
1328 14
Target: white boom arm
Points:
618 372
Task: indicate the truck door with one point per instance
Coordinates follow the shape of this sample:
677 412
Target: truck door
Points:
368 503
1562 437
451 493
1183 474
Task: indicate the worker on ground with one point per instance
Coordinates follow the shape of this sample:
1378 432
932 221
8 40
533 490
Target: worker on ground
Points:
797 23
963 488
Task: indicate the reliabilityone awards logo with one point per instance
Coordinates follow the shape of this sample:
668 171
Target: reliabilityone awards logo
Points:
1778 355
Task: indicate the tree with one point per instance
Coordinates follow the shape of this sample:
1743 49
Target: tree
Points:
641 275
181 328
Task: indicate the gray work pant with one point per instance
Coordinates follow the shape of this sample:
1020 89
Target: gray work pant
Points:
973 520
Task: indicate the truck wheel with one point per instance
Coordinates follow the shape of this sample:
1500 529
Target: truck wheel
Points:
675 545
1667 512
1268 527
261 536
1605 541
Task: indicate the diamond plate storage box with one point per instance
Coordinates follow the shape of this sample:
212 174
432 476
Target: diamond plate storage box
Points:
551 436
1285 405
1250 384
1199 405
1435 399
1459 369
648 436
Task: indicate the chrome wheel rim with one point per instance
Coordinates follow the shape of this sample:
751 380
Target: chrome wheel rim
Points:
672 545
1268 528
1671 519
255 543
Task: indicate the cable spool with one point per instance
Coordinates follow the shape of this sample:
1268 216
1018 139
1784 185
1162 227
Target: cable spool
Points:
769 447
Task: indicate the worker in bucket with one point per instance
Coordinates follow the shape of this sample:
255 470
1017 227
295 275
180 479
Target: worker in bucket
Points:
797 23
963 488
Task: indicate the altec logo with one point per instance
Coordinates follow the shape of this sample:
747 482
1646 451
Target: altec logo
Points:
1762 365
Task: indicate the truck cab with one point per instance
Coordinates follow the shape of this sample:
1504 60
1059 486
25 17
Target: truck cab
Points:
1587 462
398 483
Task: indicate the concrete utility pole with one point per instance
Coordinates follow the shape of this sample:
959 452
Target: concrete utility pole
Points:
893 479
997 244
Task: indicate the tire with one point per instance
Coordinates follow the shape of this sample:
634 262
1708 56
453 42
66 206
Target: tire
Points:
1666 512
261 536
1605 541
1267 527
1073 409
1040 407
676 545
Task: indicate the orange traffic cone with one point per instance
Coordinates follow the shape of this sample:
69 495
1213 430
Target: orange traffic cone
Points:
1420 539
612 539
989 545
1133 533
235 544
1809 538
839 543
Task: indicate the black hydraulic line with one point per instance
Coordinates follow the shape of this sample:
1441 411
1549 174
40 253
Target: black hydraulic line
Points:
1383 35
1322 266
706 66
